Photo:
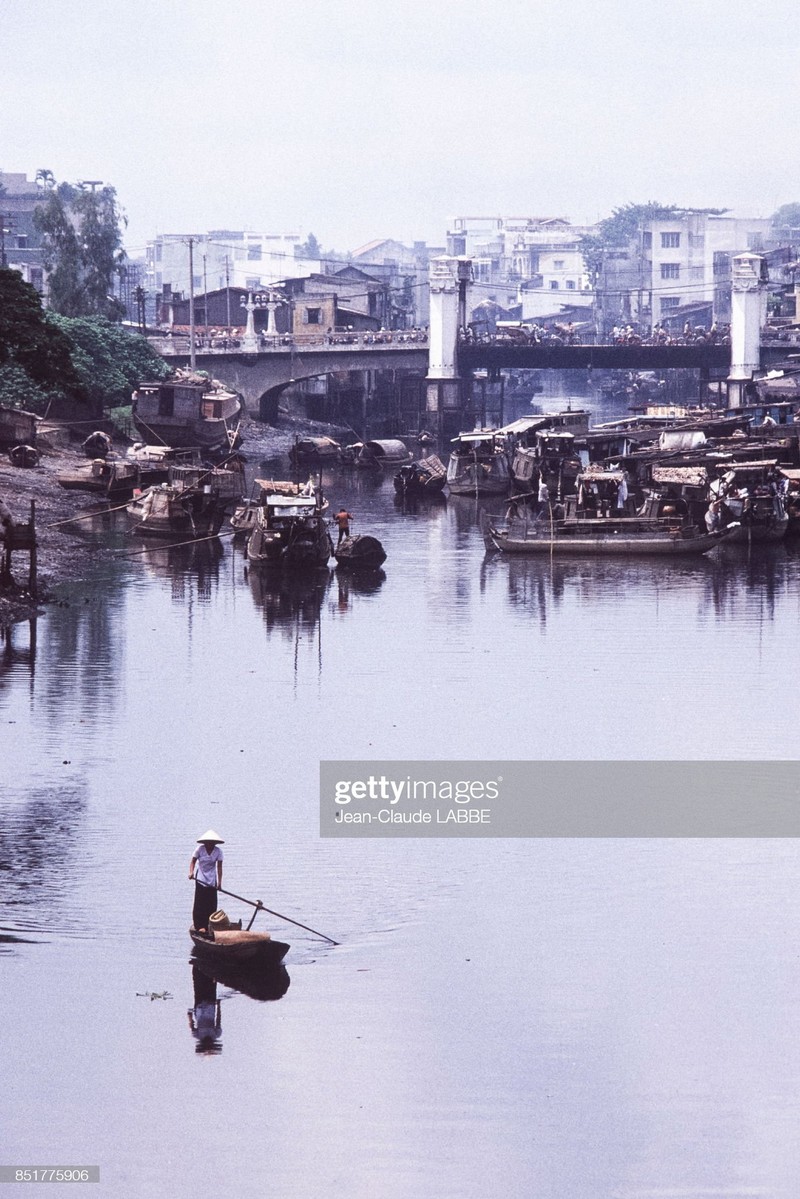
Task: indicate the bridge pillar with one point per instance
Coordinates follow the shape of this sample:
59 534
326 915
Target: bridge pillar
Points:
748 315
449 279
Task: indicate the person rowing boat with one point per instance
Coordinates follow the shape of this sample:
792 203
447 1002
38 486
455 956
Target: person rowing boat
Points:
205 867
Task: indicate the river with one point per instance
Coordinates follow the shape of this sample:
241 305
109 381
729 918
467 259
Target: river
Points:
529 1017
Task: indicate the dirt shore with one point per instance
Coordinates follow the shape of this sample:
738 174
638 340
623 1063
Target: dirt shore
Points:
63 546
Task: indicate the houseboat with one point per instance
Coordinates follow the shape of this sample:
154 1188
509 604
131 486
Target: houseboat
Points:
291 531
188 410
478 464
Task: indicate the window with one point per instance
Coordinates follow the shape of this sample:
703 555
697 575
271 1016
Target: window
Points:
252 283
554 284
558 264
670 241
647 241
254 253
22 241
313 316
570 284
668 302
670 270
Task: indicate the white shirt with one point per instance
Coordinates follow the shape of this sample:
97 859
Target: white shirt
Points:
206 872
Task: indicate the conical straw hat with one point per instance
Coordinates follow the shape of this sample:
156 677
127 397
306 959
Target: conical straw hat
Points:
210 835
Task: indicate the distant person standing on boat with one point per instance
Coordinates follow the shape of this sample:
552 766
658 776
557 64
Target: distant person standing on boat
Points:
543 497
343 518
205 867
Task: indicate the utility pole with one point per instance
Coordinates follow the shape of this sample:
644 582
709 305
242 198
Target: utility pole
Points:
205 290
192 354
228 290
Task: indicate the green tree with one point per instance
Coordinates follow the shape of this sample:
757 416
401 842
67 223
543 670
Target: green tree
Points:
310 248
785 219
30 347
108 360
82 242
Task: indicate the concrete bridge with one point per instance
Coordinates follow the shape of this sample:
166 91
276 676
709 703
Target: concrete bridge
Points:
260 370
260 376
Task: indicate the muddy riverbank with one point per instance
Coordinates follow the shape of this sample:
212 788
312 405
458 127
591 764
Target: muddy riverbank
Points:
62 534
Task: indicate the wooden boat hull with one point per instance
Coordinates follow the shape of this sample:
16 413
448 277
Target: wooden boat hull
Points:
238 947
589 544
361 552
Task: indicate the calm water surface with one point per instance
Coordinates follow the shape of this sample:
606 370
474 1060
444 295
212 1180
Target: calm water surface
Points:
558 1019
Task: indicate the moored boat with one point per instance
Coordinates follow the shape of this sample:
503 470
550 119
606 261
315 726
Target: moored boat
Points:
310 451
290 530
427 476
360 552
382 454
189 409
191 504
626 536
478 465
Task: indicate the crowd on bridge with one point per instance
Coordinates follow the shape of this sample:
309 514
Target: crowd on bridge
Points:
534 334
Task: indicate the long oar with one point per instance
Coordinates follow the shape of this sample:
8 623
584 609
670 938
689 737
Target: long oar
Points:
258 905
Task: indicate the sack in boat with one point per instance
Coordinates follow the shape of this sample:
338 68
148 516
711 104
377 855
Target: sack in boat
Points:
219 922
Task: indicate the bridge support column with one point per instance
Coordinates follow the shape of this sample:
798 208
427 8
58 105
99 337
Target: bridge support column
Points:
449 279
748 314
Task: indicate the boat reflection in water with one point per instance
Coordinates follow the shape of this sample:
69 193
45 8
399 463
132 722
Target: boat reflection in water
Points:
264 983
290 599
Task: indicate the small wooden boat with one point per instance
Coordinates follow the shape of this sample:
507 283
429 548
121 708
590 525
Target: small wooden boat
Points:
478 465
24 456
239 946
314 450
360 552
424 477
116 478
192 504
383 454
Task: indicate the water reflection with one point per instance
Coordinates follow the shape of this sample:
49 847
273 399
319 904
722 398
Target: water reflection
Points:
290 600
15 654
259 982
193 570
356 582
37 838
205 1018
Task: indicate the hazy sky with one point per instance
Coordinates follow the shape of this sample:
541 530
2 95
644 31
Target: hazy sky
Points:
363 118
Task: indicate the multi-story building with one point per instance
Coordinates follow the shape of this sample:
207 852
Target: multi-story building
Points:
20 241
677 269
535 262
404 271
224 258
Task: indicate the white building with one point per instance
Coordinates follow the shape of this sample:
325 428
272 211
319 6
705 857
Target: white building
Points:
533 261
225 258
686 260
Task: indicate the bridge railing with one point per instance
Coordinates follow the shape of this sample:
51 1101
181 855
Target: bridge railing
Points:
386 339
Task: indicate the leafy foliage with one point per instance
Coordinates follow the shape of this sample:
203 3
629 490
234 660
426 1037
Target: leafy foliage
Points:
310 248
109 361
786 217
72 361
30 348
82 242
